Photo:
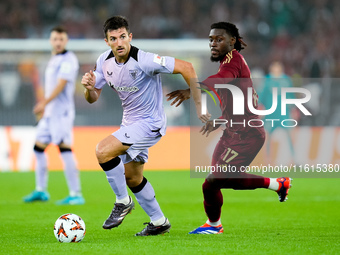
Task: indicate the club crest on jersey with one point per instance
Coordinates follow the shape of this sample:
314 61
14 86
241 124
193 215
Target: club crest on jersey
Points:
133 74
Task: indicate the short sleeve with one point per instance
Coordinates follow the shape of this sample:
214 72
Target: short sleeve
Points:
153 64
98 71
68 69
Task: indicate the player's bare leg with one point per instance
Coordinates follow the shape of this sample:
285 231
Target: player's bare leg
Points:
145 196
134 173
107 152
109 148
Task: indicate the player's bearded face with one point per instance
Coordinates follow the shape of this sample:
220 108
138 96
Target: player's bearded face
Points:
58 41
219 43
119 41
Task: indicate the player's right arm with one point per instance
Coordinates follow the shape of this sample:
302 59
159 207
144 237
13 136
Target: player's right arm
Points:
91 93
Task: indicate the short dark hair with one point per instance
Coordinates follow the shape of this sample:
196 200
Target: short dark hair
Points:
115 23
59 29
231 30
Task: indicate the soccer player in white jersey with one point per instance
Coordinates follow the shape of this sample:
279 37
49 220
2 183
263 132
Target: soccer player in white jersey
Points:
135 76
57 114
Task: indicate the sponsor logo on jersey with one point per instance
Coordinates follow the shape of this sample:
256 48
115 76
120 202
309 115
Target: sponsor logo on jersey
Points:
123 88
66 68
133 74
159 60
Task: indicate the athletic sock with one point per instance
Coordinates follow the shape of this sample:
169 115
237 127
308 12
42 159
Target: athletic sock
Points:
126 200
214 224
159 222
145 196
75 194
115 174
213 201
245 181
71 172
41 173
273 184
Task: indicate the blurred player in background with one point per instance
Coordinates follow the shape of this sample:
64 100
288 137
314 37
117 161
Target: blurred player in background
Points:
276 78
135 76
55 114
239 144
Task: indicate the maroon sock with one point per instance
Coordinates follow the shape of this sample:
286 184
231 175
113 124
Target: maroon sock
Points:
246 182
213 201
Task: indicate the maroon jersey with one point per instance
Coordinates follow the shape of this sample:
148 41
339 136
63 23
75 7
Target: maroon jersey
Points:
235 71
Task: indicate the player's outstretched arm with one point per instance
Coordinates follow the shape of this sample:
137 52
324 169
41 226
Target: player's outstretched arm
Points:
91 93
188 72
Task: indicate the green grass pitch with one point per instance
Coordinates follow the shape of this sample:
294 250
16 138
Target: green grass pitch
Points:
254 221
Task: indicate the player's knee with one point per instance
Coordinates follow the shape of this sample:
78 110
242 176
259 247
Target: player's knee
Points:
103 154
211 183
211 179
111 164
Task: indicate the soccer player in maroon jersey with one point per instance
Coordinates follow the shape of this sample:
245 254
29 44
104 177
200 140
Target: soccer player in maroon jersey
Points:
239 144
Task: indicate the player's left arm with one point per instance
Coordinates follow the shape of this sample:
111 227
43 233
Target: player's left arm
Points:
188 72
40 106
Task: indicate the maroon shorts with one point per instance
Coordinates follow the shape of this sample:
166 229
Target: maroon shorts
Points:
235 151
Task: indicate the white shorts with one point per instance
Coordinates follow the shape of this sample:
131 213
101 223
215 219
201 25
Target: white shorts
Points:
140 137
55 129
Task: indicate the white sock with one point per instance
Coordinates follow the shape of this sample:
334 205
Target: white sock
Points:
214 224
71 172
125 200
273 184
159 222
116 179
147 200
41 173
75 194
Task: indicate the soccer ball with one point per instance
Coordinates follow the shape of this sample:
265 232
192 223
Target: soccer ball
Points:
69 228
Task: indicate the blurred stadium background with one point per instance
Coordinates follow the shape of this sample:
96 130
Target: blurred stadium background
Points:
303 35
